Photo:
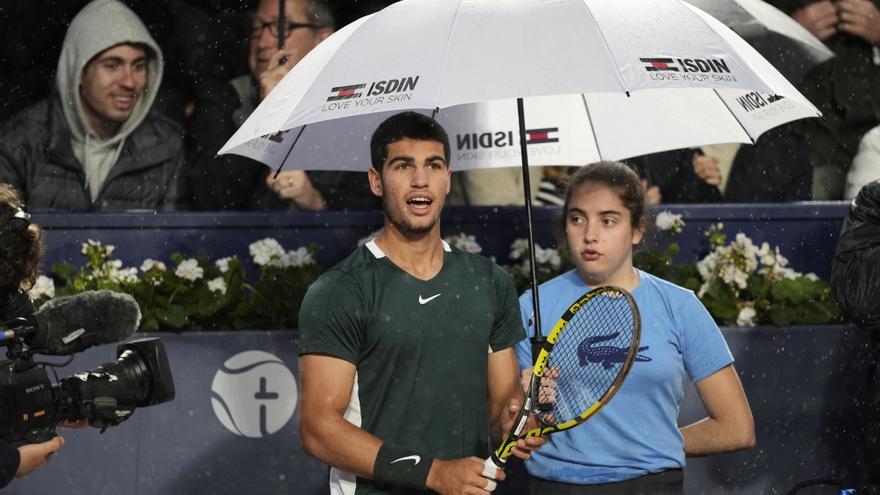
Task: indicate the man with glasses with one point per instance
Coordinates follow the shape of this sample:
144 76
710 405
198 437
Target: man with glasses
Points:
237 183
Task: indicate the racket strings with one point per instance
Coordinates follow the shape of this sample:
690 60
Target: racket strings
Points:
587 359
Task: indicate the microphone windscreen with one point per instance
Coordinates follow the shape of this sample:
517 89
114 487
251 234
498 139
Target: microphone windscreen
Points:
66 325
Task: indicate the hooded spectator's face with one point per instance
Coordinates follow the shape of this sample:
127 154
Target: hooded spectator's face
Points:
298 42
110 87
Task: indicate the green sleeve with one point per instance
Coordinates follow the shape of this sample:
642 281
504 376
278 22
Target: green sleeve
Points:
331 318
508 329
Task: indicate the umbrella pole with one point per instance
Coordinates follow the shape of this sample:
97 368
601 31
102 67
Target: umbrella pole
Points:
538 339
282 24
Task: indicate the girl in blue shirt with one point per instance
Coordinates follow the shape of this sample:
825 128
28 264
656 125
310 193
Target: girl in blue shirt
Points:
634 445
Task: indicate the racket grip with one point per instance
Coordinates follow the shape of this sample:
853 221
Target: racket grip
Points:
491 466
538 342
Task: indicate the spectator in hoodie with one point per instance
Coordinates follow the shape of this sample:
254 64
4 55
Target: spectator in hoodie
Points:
96 144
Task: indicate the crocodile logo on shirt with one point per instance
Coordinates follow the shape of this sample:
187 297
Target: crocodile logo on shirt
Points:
590 352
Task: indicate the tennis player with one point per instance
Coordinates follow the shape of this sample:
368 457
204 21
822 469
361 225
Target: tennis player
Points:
407 365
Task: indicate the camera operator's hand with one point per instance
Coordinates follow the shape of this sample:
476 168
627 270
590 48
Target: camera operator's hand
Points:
36 455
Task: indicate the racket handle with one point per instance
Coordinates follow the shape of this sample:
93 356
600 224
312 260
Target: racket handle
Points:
538 342
491 466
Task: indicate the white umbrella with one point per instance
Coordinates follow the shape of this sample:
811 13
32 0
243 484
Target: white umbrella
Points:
560 129
433 54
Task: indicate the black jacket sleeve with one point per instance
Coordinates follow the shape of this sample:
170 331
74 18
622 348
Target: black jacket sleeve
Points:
9 459
228 182
855 271
673 172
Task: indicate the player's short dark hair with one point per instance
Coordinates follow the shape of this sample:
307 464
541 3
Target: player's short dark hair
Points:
406 125
616 175
21 252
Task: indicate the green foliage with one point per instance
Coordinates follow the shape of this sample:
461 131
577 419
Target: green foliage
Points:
197 294
743 284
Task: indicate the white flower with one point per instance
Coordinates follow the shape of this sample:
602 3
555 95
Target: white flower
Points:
43 287
150 264
812 276
223 264
519 248
265 251
300 257
706 266
128 275
466 243
746 317
549 256
669 222
217 285
189 269
741 278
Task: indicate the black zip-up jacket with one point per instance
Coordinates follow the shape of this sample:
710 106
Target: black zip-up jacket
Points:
855 278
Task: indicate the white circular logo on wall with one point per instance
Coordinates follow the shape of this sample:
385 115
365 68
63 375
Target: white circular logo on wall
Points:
254 394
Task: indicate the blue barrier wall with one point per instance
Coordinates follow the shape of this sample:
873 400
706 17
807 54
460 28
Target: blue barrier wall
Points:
806 233
806 386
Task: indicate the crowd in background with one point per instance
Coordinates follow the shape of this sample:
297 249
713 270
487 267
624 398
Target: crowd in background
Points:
214 60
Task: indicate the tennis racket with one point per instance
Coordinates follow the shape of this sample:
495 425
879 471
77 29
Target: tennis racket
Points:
579 368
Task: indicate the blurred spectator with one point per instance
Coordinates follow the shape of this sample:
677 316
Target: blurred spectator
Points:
551 191
855 278
846 89
96 143
493 186
775 169
233 182
866 165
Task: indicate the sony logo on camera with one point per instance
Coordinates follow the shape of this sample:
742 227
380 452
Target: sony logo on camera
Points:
35 388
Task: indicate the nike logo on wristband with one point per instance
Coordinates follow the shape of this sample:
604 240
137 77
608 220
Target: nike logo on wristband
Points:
427 300
416 459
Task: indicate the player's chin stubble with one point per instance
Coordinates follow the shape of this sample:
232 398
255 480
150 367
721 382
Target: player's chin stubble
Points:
399 220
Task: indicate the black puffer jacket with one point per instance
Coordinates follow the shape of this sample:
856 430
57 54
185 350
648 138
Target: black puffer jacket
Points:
855 278
37 159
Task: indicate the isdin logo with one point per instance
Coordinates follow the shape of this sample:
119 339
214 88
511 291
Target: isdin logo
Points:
254 394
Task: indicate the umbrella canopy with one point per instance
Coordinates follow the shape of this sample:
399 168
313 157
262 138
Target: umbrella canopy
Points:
782 40
427 54
560 130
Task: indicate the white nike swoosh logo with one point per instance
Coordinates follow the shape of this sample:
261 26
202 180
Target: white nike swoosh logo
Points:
426 301
416 459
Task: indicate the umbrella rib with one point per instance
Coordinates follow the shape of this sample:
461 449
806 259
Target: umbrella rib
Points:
289 150
446 53
592 127
734 116
605 44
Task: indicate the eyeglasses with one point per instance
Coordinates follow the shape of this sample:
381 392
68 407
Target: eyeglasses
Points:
19 222
258 25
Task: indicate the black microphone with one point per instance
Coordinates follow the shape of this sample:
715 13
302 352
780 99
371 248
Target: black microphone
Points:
67 325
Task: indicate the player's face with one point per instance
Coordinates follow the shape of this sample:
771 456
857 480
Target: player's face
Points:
413 184
600 235
111 85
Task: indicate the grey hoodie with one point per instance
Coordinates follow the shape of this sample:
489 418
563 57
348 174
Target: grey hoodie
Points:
100 25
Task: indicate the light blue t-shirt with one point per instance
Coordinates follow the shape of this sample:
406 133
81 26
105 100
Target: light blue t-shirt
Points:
636 433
